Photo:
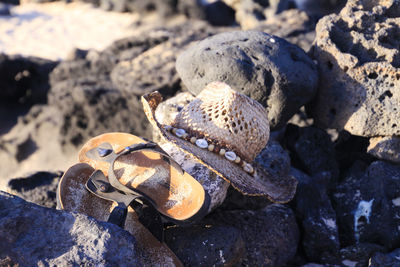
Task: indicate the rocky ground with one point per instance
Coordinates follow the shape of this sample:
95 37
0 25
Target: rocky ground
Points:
327 72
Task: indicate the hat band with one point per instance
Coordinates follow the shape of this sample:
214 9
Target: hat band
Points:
206 144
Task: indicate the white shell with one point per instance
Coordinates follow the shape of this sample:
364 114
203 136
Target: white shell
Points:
230 155
272 40
180 132
248 168
168 127
202 143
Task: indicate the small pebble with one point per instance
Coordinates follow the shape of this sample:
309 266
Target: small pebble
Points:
222 152
193 140
202 143
272 40
168 127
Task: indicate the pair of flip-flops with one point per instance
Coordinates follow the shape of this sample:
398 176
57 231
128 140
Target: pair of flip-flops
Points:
131 182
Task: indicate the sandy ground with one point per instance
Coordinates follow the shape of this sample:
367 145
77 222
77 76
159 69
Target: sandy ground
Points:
53 30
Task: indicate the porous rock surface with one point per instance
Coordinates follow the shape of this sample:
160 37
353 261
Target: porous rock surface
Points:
266 68
293 25
30 234
320 239
39 188
206 245
270 234
367 205
385 148
24 79
359 66
250 13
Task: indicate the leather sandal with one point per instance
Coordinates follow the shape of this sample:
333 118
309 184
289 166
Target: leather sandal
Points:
139 171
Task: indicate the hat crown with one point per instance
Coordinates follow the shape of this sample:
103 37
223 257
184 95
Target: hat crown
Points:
228 118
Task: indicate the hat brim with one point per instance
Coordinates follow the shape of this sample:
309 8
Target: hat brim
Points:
277 189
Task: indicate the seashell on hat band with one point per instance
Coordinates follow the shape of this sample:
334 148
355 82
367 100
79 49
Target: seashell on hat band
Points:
228 118
225 130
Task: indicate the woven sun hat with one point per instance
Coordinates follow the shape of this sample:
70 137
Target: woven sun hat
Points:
225 130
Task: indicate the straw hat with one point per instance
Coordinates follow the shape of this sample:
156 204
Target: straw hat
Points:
225 130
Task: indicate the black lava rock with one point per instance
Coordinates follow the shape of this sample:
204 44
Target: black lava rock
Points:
266 68
271 234
39 188
320 238
389 259
313 151
206 245
24 80
368 206
216 13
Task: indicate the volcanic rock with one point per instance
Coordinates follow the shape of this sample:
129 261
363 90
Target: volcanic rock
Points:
385 148
312 150
24 80
314 210
39 188
206 245
266 68
215 12
270 234
31 234
389 259
293 25
359 66
368 206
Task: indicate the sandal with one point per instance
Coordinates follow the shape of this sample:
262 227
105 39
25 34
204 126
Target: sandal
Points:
143 171
133 213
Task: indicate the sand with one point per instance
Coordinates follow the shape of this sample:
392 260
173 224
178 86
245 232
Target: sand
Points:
53 30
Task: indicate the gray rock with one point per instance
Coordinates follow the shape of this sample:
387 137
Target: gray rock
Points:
154 69
293 25
206 245
359 60
271 234
389 259
385 148
266 68
34 235
368 206
320 237
39 188
32 145
250 13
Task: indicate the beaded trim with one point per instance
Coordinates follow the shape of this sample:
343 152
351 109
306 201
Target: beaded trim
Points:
204 144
